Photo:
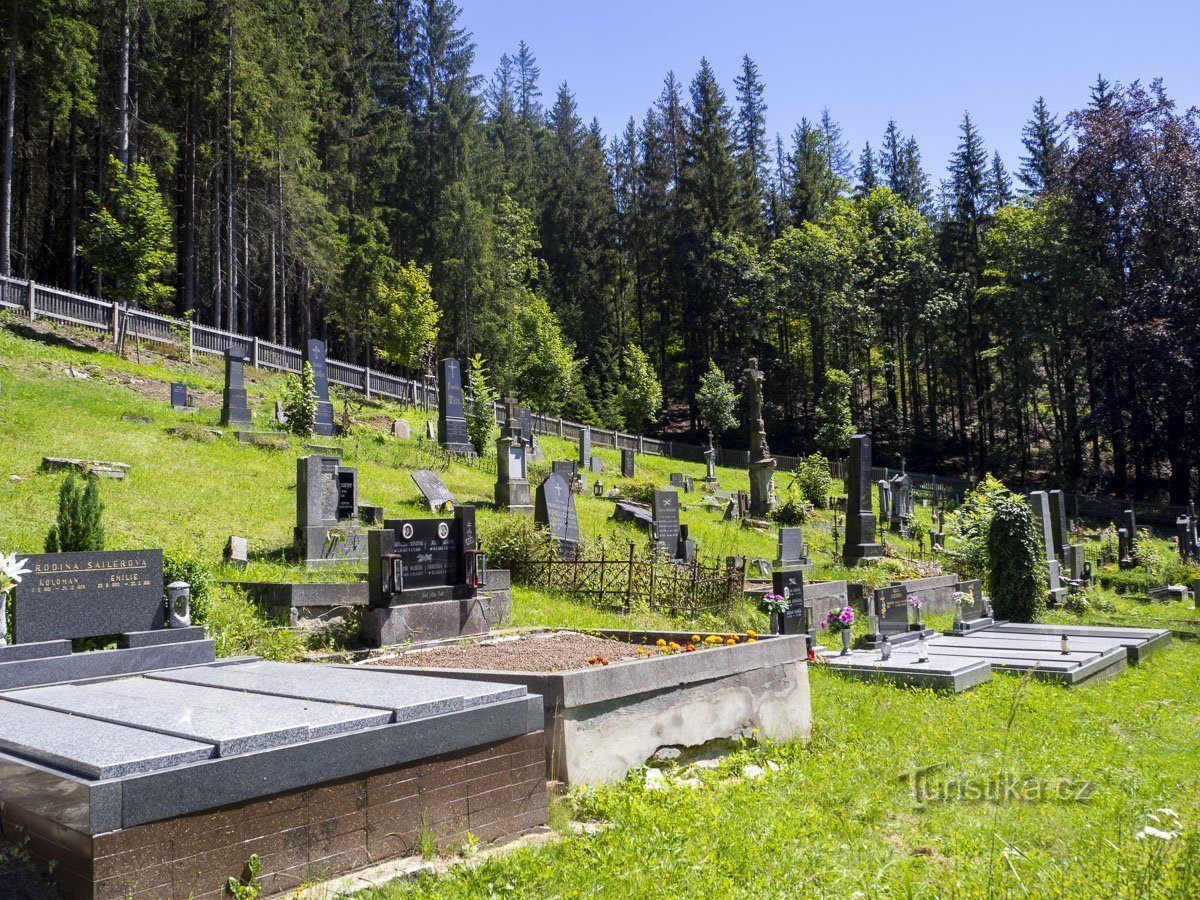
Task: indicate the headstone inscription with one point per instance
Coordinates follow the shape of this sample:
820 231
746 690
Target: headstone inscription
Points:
891 610
234 408
566 469
666 521
790 586
628 465
314 355
327 526
82 595
860 542
435 492
421 555
452 424
555 509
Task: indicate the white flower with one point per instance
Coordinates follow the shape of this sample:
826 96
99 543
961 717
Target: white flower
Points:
752 771
11 570
1151 831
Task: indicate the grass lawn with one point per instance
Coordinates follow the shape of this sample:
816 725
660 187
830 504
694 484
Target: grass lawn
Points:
1075 775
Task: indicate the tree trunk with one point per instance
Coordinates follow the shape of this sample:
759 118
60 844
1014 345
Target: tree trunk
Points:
123 96
10 118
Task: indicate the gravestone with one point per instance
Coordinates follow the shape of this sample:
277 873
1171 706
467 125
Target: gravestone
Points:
677 479
512 466
597 467
628 464
973 615
710 466
436 494
792 553
585 447
234 408
236 552
1124 548
902 500
525 418
280 413
452 424
689 485
92 594
743 502
431 430
1059 526
181 399
314 355
686 549
1040 501
401 429
666 520
884 489
860 542
566 469
426 580
555 509
790 586
327 525
762 464
890 613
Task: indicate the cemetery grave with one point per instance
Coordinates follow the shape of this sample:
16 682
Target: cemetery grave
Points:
679 692
155 769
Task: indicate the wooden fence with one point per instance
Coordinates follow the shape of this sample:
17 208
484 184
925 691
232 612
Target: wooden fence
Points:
637 579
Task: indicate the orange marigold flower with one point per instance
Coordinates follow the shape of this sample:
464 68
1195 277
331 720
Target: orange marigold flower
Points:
751 633
661 642
695 638
731 641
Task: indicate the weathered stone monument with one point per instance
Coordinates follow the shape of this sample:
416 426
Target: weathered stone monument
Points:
1069 555
555 509
314 355
234 408
401 429
426 581
585 448
327 525
901 493
628 464
860 542
452 423
884 488
434 490
1040 501
762 465
710 466
666 521
792 552
512 465
685 549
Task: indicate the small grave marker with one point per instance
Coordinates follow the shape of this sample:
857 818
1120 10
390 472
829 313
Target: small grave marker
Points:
554 507
433 489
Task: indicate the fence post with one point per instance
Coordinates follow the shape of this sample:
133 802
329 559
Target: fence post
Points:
29 302
191 340
629 580
116 321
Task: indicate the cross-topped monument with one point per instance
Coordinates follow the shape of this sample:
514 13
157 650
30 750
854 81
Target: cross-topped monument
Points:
512 465
762 465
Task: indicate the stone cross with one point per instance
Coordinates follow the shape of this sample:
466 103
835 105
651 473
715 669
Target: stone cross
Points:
758 430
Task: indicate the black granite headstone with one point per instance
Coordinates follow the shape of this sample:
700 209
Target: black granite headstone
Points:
891 608
973 608
234 408
677 479
790 586
565 469
860 518
525 418
81 595
628 465
452 425
427 553
314 355
554 507
666 520
179 395
686 550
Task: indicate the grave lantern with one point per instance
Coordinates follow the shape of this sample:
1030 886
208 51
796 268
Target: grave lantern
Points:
1064 645
885 649
598 488
476 563
922 649
179 599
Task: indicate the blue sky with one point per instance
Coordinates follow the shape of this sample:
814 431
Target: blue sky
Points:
921 63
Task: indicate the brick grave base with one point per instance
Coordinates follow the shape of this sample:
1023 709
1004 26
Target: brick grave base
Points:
493 792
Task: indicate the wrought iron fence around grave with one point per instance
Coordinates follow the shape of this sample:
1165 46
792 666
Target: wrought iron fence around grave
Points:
637 579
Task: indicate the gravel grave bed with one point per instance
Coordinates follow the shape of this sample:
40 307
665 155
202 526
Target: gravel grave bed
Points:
557 652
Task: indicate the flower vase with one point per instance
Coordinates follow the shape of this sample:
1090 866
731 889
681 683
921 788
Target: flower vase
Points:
776 623
3 618
958 620
845 642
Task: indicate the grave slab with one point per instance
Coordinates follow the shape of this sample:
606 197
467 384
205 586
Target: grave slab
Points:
92 749
1138 642
230 720
942 673
408 697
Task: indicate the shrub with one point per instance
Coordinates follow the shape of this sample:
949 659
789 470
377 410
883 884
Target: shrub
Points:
1016 570
834 427
792 508
78 526
300 403
717 400
188 566
481 406
512 540
240 628
970 523
639 490
813 481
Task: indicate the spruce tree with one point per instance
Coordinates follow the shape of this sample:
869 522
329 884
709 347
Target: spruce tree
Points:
1042 138
868 177
750 143
77 527
1001 185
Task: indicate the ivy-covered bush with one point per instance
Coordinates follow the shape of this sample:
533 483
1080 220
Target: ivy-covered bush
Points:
300 402
1016 575
967 528
813 481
